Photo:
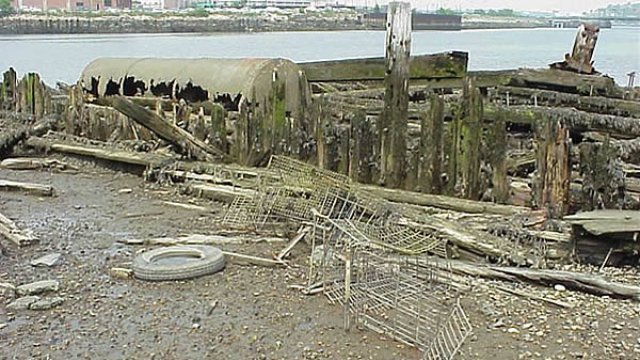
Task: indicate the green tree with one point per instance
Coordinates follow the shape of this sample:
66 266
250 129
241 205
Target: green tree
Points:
6 8
443 11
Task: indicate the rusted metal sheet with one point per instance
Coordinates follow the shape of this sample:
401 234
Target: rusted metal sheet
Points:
224 81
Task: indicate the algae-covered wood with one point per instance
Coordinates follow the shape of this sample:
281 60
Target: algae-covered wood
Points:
433 66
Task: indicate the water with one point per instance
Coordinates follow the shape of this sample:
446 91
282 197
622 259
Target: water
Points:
62 57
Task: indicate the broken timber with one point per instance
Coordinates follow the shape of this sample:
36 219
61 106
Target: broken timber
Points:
10 230
166 130
10 139
29 188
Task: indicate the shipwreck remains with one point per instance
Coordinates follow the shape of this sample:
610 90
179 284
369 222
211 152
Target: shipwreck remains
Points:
388 167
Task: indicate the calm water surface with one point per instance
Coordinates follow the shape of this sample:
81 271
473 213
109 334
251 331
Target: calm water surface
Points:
62 57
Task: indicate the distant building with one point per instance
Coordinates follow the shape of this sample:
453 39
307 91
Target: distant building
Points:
71 5
282 4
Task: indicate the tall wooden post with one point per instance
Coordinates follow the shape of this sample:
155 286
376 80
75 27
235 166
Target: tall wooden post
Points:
553 167
430 164
393 127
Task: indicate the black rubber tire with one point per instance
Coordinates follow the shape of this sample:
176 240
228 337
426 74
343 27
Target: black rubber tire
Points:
211 260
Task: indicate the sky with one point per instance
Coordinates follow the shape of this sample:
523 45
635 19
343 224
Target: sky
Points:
565 6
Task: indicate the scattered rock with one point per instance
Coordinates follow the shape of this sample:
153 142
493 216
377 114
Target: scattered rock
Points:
38 287
125 191
121 273
559 287
47 260
46 303
22 303
513 331
7 290
2 326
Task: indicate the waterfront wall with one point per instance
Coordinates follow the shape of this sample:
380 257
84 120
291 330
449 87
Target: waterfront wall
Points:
173 24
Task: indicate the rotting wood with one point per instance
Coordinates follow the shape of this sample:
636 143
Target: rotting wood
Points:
29 188
553 168
469 133
476 242
592 284
497 157
222 193
578 121
601 222
602 177
12 232
548 98
200 239
393 121
34 164
8 90
189 206
241 259
299 236
444 202
429 167
9 139
432 66
167 131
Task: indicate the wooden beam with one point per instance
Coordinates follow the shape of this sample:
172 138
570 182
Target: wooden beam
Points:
435 66
553 168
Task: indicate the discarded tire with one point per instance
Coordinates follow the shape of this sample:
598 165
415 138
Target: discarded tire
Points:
178 263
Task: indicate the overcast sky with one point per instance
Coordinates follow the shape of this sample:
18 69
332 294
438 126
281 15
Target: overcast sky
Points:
572 6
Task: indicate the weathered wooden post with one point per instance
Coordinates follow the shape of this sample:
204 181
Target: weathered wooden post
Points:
464 158
497 158
8 90
393 120
362 148
602 176
430 163
553 167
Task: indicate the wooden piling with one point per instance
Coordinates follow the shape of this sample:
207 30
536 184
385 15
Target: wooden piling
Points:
496 145
430 150
464 165
553 167
603 185
8 90
393 122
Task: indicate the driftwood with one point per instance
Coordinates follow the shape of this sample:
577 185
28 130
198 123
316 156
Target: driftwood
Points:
444 202
189 206
167 131
198 239
222 193
299 236
10 230
34 164
601 222
476 242
9 139
527 295
592 284
29 188
241 259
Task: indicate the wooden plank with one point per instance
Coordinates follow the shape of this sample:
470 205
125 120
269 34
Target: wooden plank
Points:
434 66
601 222
11 231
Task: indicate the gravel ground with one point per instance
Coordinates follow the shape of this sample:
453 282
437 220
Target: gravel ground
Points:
256 316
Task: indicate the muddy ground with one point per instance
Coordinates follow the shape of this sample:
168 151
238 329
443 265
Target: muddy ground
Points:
256 315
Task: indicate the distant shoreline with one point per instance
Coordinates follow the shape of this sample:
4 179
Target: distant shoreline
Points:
90 23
